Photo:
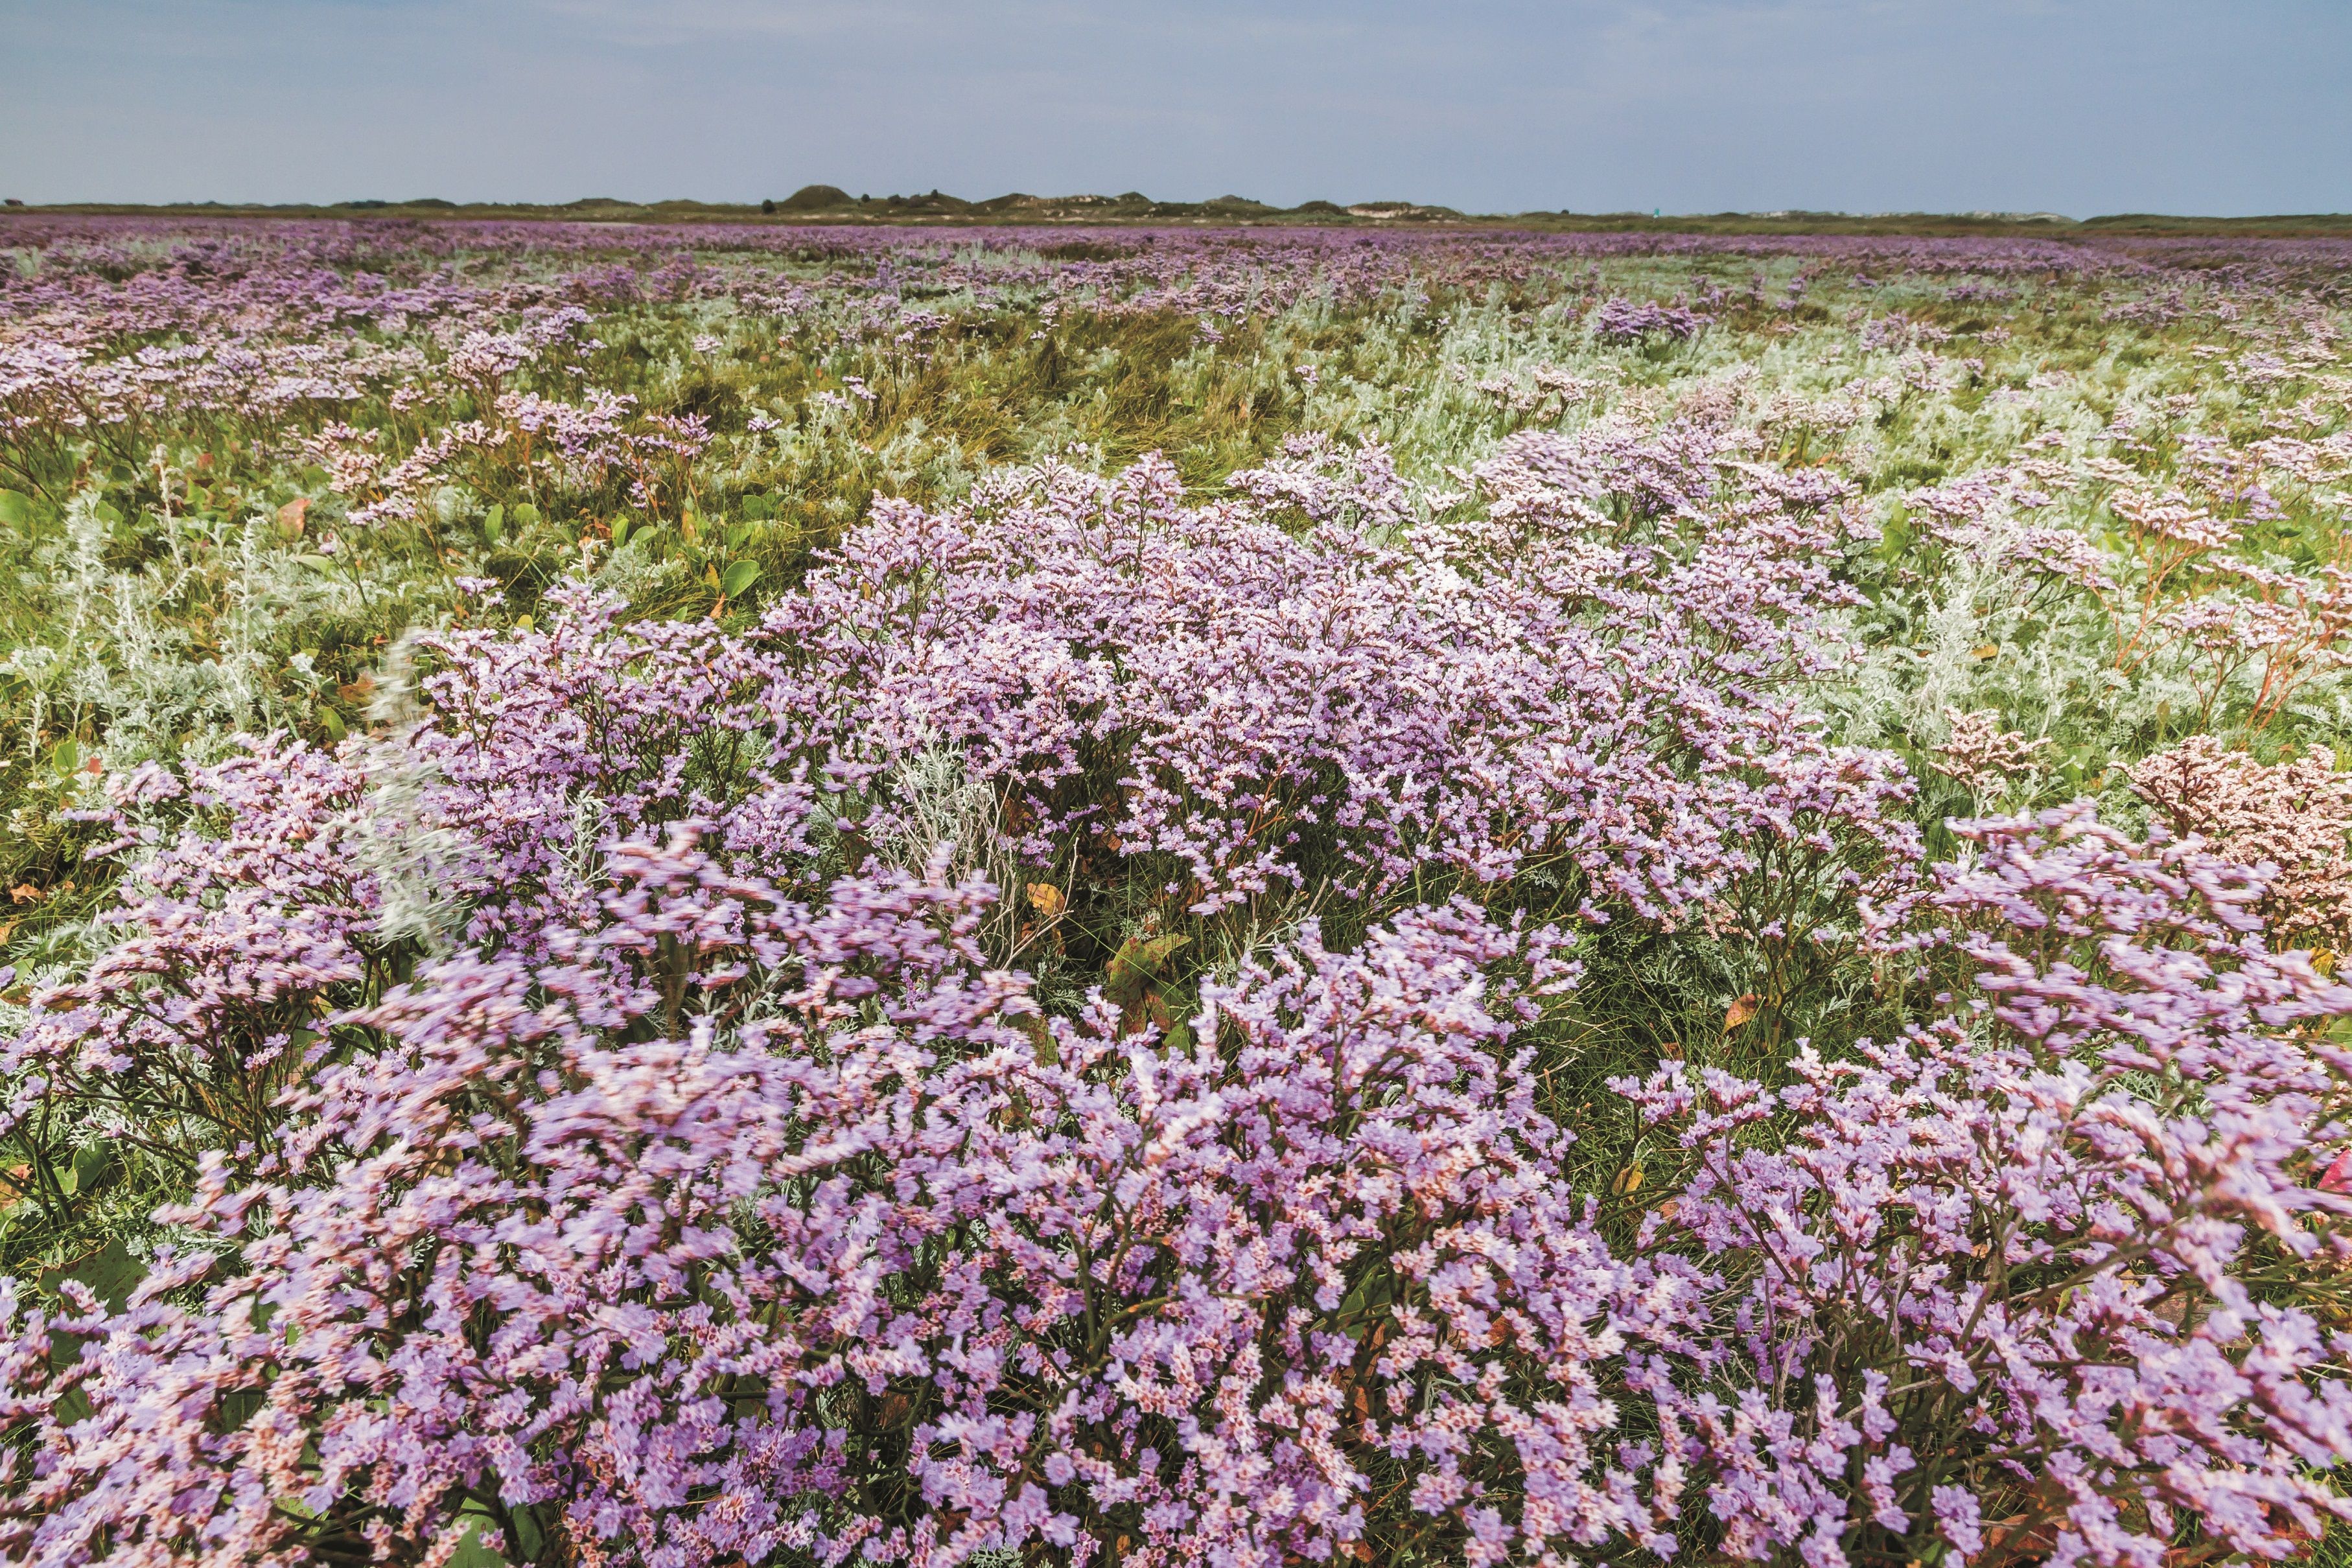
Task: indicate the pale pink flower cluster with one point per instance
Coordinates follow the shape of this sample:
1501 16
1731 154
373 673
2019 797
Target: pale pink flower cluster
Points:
1981 754
2290 818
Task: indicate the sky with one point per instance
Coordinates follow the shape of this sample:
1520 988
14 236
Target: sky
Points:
2079 106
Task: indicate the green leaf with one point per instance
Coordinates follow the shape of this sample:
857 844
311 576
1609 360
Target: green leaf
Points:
739 576
316 562
1041 1038
92 1164
110 1270
494 524
527 1529
331 722
1139 962
475 1552
620 532
108 513
15 510
525 514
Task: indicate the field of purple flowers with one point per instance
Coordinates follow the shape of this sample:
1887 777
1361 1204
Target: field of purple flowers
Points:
1118 897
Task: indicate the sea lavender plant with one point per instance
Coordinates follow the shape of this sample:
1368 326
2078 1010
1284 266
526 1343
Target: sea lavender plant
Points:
600 1121
1987 1286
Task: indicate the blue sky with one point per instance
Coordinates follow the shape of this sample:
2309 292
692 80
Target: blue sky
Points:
2071 106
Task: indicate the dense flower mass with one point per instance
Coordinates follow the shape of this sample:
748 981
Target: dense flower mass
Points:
746 896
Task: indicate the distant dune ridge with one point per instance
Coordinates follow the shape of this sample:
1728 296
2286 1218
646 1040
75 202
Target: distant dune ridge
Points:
833 204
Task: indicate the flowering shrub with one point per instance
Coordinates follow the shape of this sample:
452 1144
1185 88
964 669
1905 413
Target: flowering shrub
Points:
1631 320
1990 1284
736 1225
926 1287
1053 639
206 1008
